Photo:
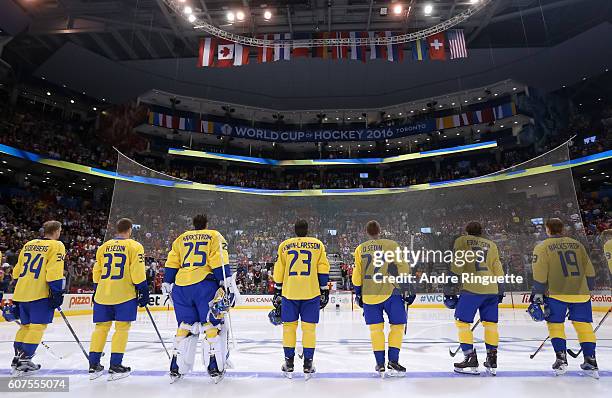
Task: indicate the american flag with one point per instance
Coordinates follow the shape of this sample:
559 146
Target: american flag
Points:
456 41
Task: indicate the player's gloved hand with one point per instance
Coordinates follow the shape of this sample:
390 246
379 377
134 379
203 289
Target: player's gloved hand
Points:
56 299
359 300
231 290
500 298
324 296
450 301
10 312
143 295
277 298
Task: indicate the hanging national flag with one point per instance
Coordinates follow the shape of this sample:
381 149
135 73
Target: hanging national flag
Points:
340 51
321 51
420 50
241 55
358 52
376 51
299 49
456 44
437 47
225 54
207 127
505 110
485 115
206 55
395 52
282 48
264 54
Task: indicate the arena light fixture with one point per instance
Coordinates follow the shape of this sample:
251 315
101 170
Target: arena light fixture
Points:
48 93
397 9
191 18
231 17
240 16
72 101
94 108
428 9
267 15
187 10
474 1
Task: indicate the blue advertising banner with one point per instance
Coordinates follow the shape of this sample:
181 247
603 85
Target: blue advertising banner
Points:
324 135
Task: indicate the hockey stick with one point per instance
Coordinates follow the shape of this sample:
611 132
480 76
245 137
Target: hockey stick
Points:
575 354
453 353
226 288
73 333
42 343
543 342
157 331
539 348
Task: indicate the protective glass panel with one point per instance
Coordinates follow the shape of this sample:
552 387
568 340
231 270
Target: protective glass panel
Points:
424 221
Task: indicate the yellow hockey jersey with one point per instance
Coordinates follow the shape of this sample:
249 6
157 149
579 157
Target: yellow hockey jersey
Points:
120 265
489 266
608 253
299 263
196 254
563 264
374 289
40 261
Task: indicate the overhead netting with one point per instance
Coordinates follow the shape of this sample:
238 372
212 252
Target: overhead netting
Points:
511 205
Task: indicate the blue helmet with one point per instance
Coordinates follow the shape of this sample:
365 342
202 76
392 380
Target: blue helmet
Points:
275 317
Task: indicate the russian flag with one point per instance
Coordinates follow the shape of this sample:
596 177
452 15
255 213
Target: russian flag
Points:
358 52
282 50
395 52
375 51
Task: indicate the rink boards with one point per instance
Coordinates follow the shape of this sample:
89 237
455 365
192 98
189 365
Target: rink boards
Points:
82 304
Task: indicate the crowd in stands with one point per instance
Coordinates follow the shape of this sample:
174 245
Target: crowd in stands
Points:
253 239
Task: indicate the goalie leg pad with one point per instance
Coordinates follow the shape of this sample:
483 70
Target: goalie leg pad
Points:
185 346
215 344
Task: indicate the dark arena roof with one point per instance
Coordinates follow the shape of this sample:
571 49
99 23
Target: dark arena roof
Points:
118 50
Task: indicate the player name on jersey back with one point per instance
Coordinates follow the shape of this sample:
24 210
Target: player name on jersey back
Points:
40 261
119 267
196 254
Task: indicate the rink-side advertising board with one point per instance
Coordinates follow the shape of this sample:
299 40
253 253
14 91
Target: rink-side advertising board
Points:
82 304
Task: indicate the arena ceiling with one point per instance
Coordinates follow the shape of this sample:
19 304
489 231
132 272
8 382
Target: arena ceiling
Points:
146 29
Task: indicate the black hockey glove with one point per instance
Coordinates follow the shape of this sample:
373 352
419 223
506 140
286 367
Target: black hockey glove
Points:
324 297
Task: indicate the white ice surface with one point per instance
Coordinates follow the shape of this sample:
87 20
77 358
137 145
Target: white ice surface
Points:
343 360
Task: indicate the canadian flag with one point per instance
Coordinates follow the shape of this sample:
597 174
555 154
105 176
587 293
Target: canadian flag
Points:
231 54
225 54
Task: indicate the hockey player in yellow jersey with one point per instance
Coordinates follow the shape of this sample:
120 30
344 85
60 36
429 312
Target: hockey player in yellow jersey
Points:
199 279
606 238
377 298
484 261
301 273
120 286
563 277
39 273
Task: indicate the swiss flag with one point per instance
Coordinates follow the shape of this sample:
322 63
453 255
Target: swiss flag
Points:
225 54
437 47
